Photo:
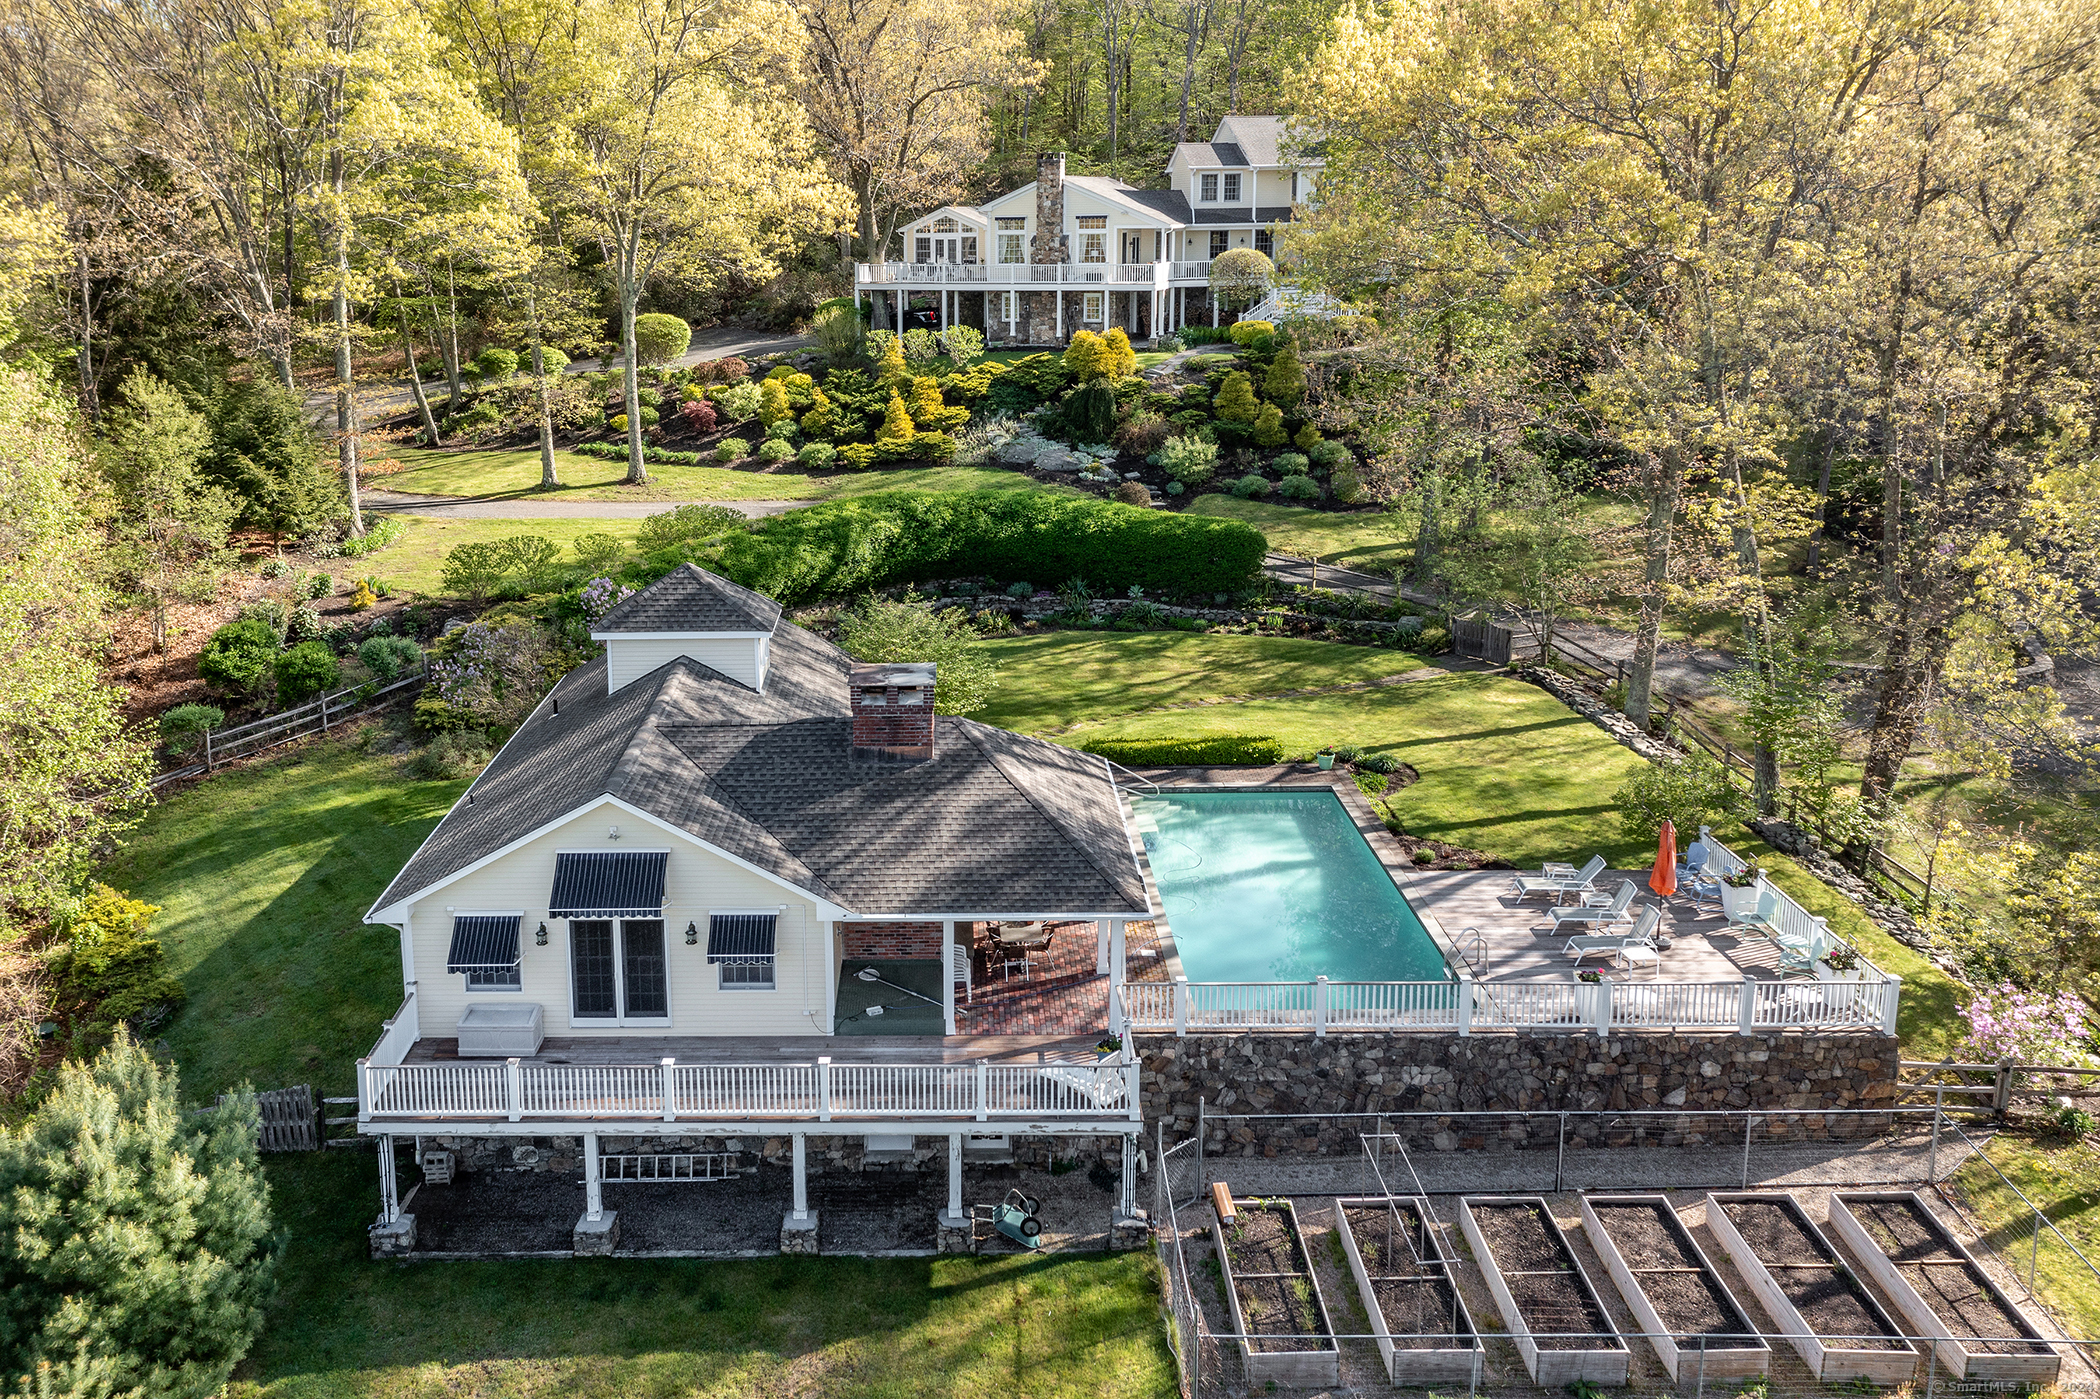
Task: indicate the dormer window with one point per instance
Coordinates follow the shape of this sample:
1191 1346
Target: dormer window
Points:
1210 189
1232 189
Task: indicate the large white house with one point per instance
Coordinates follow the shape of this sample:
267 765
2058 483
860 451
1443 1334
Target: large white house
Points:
1070 252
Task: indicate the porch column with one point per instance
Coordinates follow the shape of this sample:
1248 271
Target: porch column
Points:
801 1176
1118 969
955 1145
593 1186
1060 310
1214 311
948 974
831 979
1100 947
1126 1194
389 1192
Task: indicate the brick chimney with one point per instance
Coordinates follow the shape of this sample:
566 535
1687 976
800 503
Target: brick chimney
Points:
893 711
1048 244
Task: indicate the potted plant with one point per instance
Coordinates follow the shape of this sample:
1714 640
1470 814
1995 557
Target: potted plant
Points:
1325 758
1840 963
1107 1046
1740 892
1592 997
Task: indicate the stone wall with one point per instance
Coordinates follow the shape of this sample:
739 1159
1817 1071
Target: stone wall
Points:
1494 1073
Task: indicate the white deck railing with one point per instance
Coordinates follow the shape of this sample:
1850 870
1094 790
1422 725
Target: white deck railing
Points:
515 1090
1018 274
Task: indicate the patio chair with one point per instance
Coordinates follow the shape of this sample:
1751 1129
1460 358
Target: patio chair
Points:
1600 915
1013 942
1621 945
959 969
1698 883
1798 954
1559 885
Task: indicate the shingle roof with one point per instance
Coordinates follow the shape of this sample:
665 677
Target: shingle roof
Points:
1267 213
690 599
1257 139
995 822
1200 155
1167 203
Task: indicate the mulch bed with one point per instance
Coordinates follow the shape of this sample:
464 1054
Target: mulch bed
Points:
1543 1278
1689 1303
1830 1300
1949 1285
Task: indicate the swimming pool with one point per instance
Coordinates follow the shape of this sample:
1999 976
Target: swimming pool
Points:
1273 886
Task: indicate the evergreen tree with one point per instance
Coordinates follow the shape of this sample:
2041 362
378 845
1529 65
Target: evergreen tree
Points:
890 368
263 449
1308 437
138 1253
773 402
926 406
1084 357
896 423
1235 401
1285 383
1268 427
1118 360
171 523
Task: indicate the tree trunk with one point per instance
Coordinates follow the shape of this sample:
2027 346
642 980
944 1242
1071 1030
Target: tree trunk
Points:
1908 671
1662 516
1756 630
1428 532
450 346
630 293
415 375
90 397
1815 534
345 395
548 480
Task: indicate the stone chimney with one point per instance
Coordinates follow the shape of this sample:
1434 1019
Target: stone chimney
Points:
893 711
1048 244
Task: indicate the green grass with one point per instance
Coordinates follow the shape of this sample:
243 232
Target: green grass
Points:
505 472
2063 1178
416 562
262 875
1074 1325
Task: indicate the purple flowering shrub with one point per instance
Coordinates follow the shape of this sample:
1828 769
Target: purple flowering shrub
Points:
494 673
602 595
2007 1022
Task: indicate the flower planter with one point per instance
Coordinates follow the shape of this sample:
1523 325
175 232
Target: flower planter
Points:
1593 1003
1939 1289
1543 1280
1825 972
1740 905
1694 1322
1404 1279
1808 1290
1283 1297
1326 761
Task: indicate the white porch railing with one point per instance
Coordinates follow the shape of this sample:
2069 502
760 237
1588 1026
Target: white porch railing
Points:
515 1091
1013 274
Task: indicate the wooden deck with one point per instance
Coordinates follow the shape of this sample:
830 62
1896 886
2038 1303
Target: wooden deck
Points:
787 1049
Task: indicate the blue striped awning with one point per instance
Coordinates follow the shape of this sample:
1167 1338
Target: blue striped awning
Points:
483 943
740 938
625 884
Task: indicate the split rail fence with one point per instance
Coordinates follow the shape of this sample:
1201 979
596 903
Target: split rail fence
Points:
315 716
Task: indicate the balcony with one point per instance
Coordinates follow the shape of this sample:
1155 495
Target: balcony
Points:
1128 276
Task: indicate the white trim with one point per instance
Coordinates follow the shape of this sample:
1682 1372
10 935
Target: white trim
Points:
407 905
678 635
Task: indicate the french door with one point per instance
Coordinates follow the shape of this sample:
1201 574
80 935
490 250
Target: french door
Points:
617 971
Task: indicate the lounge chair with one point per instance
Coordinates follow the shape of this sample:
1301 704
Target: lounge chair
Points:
1602 915
1557 884
1620 945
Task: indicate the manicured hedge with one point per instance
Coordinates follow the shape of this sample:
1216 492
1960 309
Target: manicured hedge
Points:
847 546
1188 752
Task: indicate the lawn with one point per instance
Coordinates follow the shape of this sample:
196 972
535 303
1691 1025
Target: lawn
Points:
515 471
2063 1177
262 874
416 562
1062 1325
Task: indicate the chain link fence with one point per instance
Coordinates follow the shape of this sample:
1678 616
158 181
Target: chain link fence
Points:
1436 1158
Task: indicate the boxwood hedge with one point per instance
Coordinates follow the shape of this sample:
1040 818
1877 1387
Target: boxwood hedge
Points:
847 546
1188 752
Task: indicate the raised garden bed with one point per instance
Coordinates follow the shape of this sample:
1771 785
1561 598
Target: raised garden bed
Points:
1552 1309
1811 1293
1699 1330
1403 1275
1277 1309
1940 1289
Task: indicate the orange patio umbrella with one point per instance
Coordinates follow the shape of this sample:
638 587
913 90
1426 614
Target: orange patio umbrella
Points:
1663 879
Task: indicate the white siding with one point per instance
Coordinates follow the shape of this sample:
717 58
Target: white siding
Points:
1272 187
628 661
695 882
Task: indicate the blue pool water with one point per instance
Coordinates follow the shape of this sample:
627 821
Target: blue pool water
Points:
1279 887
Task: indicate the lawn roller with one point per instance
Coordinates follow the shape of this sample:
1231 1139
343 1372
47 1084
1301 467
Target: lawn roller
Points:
1015 1217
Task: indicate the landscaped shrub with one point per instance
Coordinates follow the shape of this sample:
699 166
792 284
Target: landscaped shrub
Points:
783 431
1327 454
1142 434
773 402
1029 382
817 456
238 655
1189 461
497 364
1348 486
1188 752
774 450
1689 792
839 333
1291 464
1090 414
929 412
388 656
731 449
1246 332
1431 641
1268 427
183 727
1118 360
737 403
888 353
1251 485
475 419
698 414
857 456
452 754
963 345
302 623
1307 438
1133 493
845 547
1235 402
600 553
363 597
1086 357
1379 762
659 339
688 524
1284 384
109 959
1175 488
306 670
1299 488
483 568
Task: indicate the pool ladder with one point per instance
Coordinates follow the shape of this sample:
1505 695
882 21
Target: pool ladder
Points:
1473 951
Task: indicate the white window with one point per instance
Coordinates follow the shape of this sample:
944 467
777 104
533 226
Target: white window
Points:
1232 189
1210 189
969 251
1092 311
1264 242
1095 248
1004 301
1008 224
1009 247
922 250
944 225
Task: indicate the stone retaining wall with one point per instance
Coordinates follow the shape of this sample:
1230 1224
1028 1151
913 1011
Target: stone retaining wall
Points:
1286 1074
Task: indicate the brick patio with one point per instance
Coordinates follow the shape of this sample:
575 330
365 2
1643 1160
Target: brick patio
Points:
1063 994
